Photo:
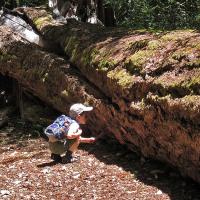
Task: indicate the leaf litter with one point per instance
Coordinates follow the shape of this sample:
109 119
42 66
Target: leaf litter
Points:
106 170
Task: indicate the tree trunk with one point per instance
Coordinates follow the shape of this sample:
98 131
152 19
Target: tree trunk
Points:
144 86
2 3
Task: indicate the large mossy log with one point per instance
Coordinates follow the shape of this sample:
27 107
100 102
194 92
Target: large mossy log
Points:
47 76
144 85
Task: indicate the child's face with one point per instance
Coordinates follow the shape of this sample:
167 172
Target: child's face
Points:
81 118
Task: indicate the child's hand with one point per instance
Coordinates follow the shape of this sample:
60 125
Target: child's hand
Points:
92 140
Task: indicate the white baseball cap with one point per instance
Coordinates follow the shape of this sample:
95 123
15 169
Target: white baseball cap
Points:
78 108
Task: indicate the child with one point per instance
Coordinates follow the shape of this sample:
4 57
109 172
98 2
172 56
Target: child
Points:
65 133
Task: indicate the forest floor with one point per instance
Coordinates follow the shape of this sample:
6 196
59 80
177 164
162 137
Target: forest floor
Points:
106 170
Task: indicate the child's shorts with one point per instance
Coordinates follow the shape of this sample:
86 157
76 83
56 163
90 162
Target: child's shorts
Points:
61 146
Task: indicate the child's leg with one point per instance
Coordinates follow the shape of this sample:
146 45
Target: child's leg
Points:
73 144
58 147
72 148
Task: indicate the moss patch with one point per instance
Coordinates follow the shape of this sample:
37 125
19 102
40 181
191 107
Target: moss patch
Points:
88 56
136 45
71 47
154 44
6 57
122 77
106 64
194 63
94 57
137 60
42 21
190 56
193 84
179 86
177 35
180 54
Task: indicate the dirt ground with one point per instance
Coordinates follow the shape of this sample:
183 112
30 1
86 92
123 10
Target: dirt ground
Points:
106 170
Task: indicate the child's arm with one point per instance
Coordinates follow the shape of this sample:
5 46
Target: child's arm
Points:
87 140
73 132
74 135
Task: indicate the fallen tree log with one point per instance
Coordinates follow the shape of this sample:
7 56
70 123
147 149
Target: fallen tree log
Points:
145 86
44 74
21 24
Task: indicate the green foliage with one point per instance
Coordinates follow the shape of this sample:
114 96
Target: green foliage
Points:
159 14
139 14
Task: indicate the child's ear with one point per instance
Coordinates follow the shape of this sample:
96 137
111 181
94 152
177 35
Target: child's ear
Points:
77 117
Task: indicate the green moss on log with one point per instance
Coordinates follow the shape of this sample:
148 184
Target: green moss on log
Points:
193 84
72 48
181 86
177 35
154 44
6 57
136 45
136 61
88 56
121 76
41 21
106 64
194 64
93 57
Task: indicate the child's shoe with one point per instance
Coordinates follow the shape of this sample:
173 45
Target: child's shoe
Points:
68 158
56 157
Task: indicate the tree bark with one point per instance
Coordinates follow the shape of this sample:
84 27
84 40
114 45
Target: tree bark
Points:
144 86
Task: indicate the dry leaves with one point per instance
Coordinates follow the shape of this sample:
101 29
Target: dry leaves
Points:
105 171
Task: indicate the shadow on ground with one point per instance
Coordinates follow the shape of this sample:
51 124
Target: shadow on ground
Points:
146 170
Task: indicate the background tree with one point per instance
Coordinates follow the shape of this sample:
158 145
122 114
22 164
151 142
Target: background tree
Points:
156 14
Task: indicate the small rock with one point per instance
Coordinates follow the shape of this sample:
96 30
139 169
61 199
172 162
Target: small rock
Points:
120 169
45 171
159 192
64 168
76 175
16 182
4 192
130 192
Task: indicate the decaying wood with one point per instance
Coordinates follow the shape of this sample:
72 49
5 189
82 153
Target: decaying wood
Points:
144 86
